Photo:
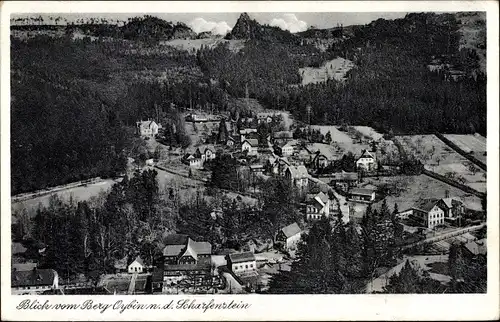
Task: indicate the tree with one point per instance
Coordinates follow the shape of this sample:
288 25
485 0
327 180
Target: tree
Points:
222 134
224 172
328 137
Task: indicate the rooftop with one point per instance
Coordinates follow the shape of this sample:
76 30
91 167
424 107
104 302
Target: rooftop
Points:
241 257
361 191
345 176
426 204
252 142
291 230
34 277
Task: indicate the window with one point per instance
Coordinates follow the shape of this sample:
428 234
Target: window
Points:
251 265
246 266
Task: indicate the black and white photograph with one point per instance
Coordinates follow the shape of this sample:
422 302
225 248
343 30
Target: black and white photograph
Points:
249 153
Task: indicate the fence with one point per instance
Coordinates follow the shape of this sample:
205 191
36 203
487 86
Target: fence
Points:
453 183
466 155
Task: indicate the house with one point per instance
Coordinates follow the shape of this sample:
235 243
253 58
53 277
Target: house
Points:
256 168
207 154
192 161
476 247
137 266
150 162
247 136
297 175
247 131
278 165
147 128
281 137
251 146
362 194
35 281
196 118
241 263
288 237
427 212
284 149
184 257
453 208
317 206
264 117
344 180
366 161
319 161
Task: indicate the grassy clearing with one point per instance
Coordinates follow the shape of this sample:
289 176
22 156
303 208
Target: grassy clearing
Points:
474 144
440 158
333 69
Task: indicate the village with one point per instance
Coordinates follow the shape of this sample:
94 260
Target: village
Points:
338 172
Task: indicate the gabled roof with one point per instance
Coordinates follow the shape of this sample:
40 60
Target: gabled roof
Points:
146 124
137 260
477 247
241 257
35 277
451 202
291 230
366 154
361 191
252 142
189 250
426 204
321 196
180 244
22 267
201 248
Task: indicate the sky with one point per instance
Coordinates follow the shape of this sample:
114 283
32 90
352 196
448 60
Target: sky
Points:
221 23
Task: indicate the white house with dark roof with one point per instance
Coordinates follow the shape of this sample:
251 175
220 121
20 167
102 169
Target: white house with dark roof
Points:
367 161
147 128
317 206
362 194
288 236
34 281
251 146
297 175
428 212
137 266
241 263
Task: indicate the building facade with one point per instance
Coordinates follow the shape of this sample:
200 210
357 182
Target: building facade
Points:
241 263
367 162
288 237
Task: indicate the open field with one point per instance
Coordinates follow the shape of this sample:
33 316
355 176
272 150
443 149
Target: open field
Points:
475 144
408 189
440 158
368 131
337 136
333 69
78 194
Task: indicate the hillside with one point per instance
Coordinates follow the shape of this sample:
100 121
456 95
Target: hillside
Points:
247 28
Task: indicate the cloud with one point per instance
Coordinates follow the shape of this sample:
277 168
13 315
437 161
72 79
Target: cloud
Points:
201 25
289 22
